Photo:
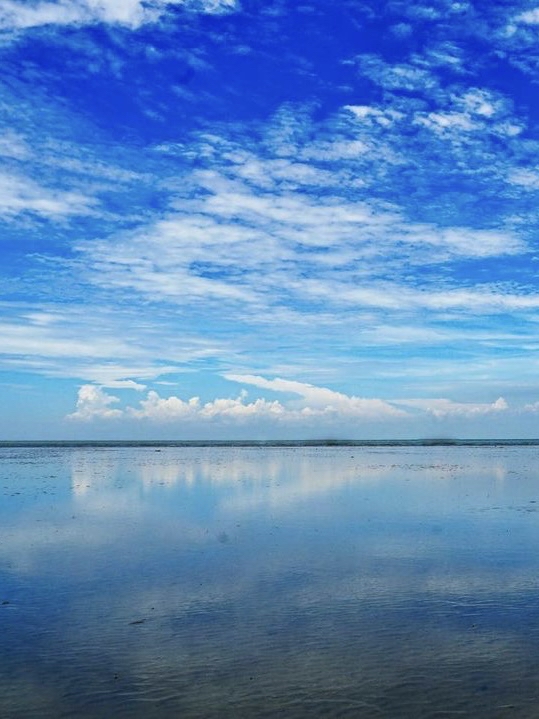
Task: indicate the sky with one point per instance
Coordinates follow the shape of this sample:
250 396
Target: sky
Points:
266 219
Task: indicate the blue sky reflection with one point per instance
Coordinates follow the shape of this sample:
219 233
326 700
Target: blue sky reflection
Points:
226 579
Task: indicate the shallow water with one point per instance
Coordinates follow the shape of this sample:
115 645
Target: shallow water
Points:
290 582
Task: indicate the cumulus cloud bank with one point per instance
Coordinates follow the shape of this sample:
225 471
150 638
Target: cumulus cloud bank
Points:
309 403
173 408
94 403
314 402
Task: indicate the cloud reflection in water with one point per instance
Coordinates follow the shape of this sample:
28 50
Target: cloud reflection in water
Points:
301 582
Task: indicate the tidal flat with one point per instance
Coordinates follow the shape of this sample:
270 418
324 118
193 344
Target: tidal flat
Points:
218 582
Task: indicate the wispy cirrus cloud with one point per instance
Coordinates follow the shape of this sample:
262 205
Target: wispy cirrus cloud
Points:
441 408
114 349
321 399
252 222
249 240
132 13
238 247
21 195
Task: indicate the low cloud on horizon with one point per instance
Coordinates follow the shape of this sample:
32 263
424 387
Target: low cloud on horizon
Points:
311 409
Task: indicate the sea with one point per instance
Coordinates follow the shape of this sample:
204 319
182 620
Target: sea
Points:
247 580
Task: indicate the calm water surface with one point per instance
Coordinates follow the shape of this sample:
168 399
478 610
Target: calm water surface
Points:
226 582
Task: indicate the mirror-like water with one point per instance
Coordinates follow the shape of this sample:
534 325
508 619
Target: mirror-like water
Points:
248 582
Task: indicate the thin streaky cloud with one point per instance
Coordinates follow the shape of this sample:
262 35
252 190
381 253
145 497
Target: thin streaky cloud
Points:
131 13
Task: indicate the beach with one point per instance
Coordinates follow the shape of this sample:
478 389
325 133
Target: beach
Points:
301 580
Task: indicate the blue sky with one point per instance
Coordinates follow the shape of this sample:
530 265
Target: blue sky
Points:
226 219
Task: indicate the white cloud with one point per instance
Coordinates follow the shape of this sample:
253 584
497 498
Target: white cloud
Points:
132 13
524 177
21 194
530 17
125 384
248 241
22 15
240 409
13 145
318 405
211 7
113 374
465 241
115 348
472 110
39 339
397 76
93 403
448 121
389 296
316 400
384 118
441 408
480 102
159 409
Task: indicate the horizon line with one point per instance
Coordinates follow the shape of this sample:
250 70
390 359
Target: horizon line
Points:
321 442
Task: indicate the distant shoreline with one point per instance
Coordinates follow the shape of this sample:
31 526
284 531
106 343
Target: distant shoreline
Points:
442 442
